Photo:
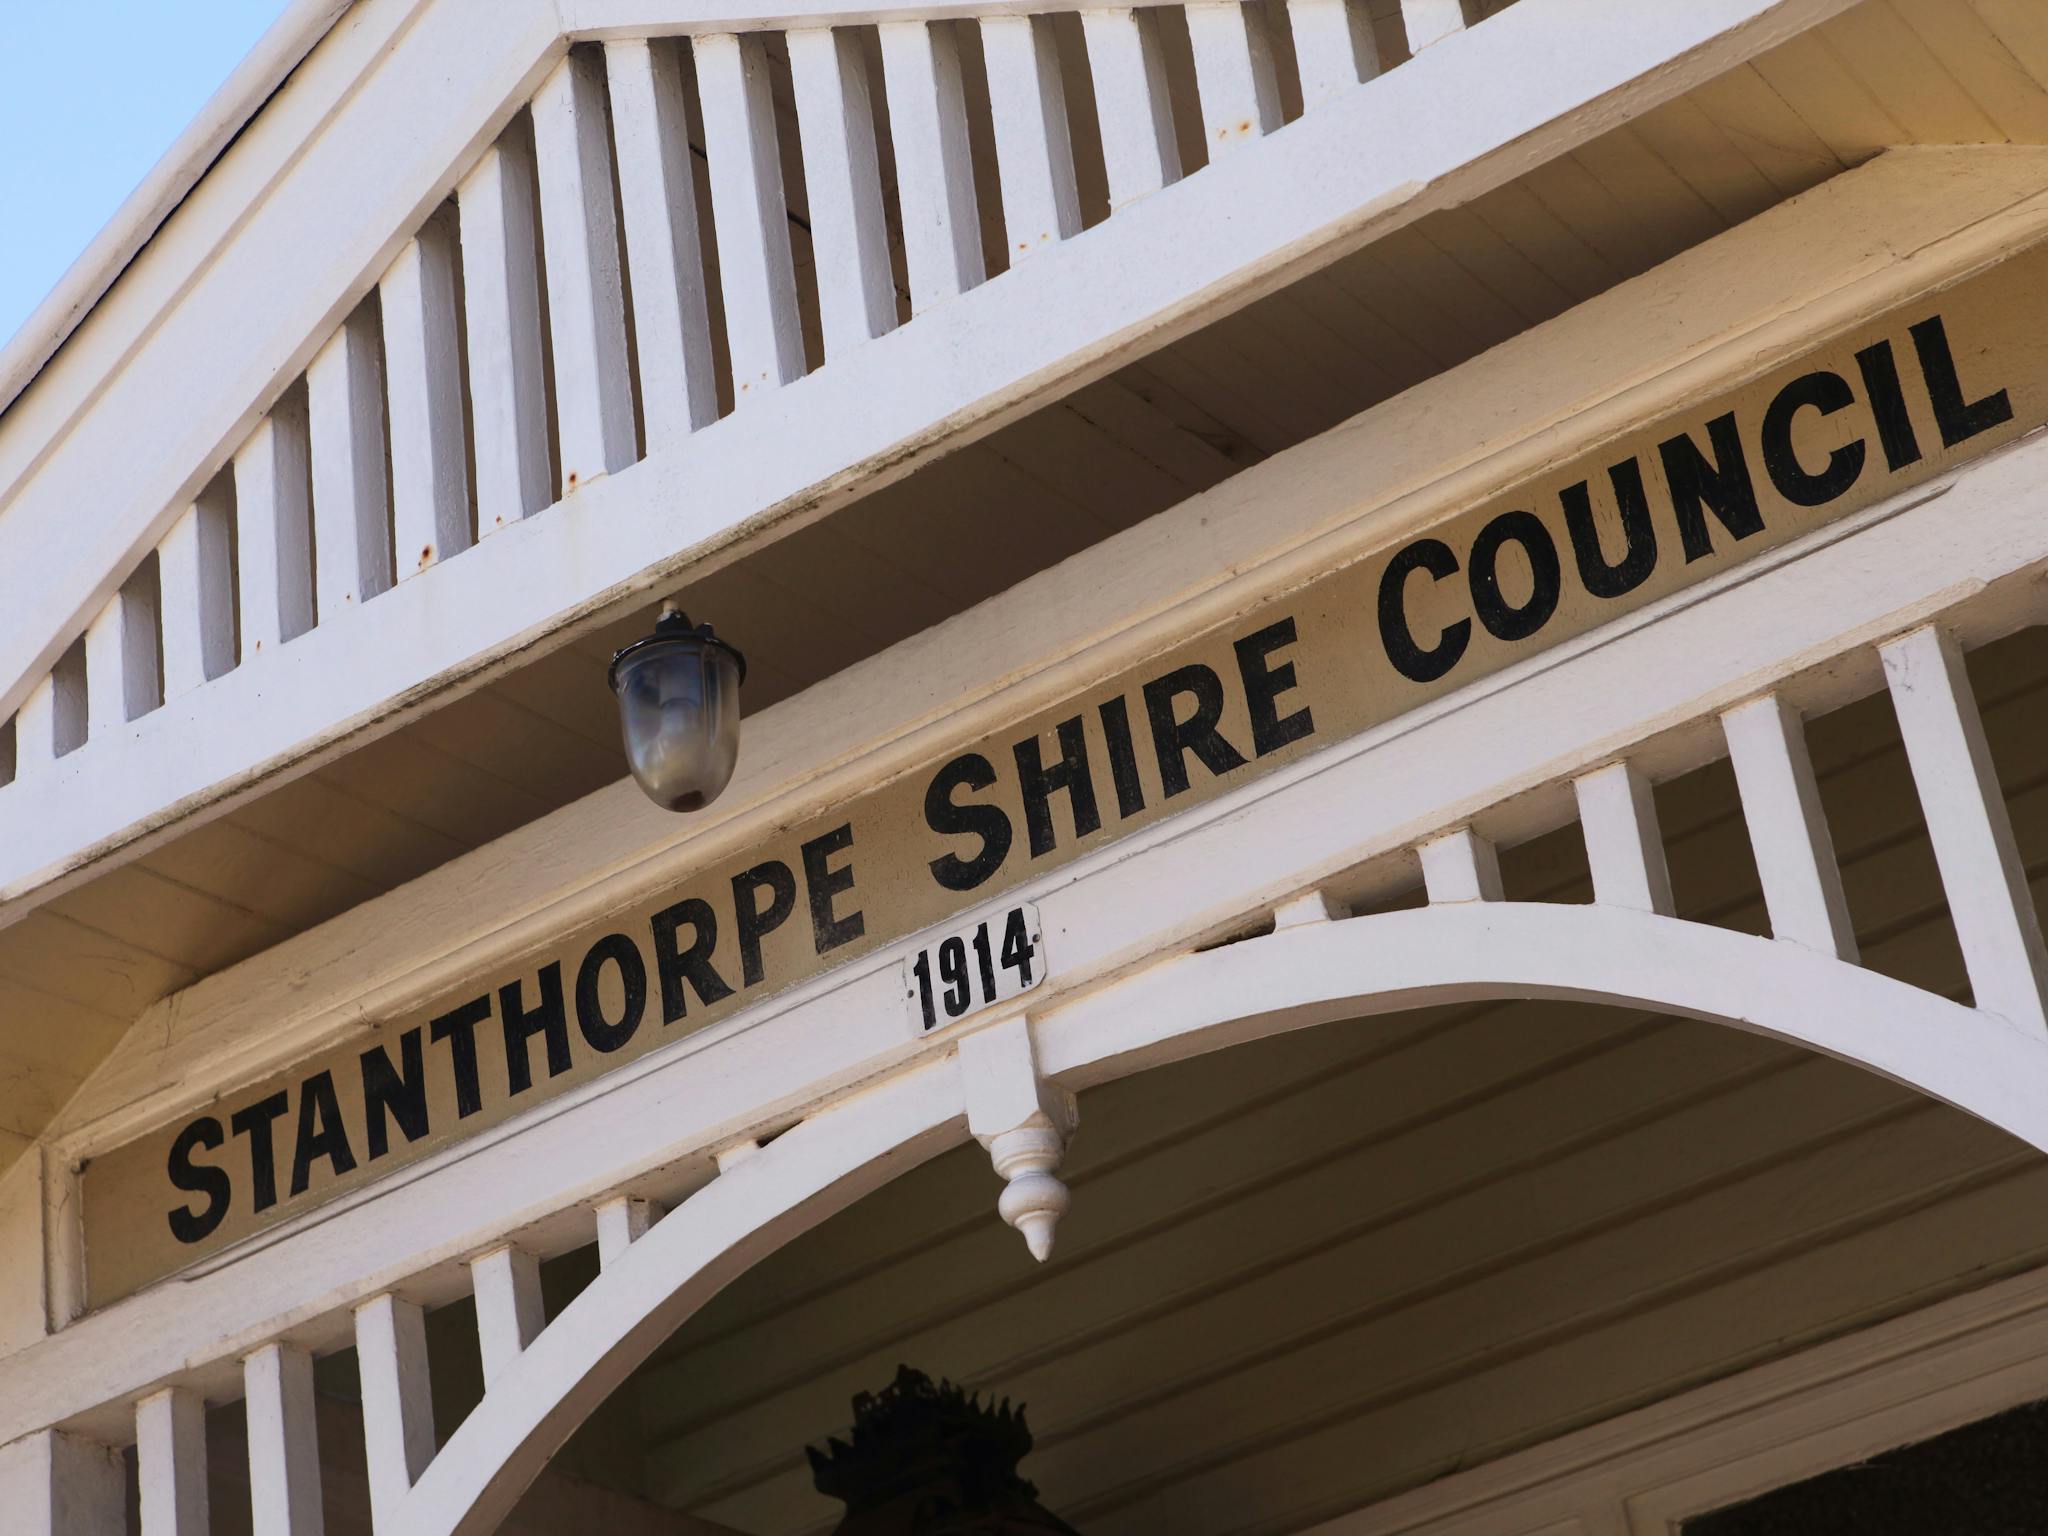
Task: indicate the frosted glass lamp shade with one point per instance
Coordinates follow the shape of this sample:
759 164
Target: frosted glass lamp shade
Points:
679 711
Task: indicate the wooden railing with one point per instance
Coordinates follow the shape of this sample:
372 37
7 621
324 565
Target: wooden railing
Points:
568 310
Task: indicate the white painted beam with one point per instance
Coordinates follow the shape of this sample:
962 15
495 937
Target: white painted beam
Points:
934 171
35 731
121 660
274 531
1788 827
1460 866
509 1310
170 1456
508 406
843 180
1034 153
1132 104
1234 73
586 300
351 516
664 251
621 1222
755 270
56 1484
1334 47
1431 21
284 1442
196 595
1624 848
423 366
398 1403
1968 824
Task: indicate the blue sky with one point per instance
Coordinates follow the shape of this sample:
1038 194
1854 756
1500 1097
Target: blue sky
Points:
96 91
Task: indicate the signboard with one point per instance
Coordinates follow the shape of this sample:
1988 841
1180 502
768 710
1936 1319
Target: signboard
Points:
1858 418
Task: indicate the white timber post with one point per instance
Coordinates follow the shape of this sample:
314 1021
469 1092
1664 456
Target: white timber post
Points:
621 1222
1969 826
195 594
1034 154
1304 910
509 1312
1624 849
1025 1123
1125 58
1431 21
843 177
508 403
274 531
934 172
754 264
1233 73
1460 866
54 1484
35 730
121 660
586 302
1788 828
664 251
398 1407
170 1460
351 522
284 1442
1334 47
423 362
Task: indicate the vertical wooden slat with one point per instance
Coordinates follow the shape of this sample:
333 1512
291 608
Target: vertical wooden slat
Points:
843 179
762 329
35 730
1969 826
1233 73
509 1314
501 303
664 252
284 1442
55 1484
170 1458
1131 103
1431 21
621 1222
1034 155
1788 828
274 530
934 168
70 720
423 365
1334 47
586 303
351 521
121 658
196 594
1460 866
398 1405
1624 849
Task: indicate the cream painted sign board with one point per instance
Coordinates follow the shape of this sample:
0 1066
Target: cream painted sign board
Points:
1859 417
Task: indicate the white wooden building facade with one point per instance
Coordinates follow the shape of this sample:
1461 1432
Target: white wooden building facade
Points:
1395 706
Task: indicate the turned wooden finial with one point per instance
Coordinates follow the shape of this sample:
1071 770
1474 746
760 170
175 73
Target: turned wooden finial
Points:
1025 1122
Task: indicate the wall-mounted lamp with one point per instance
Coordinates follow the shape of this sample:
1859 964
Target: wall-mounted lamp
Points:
679 710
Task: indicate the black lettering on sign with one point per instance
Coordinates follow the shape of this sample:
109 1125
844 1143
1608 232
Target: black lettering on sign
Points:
1039 784
388 1093
604 1034
1721 486
1638 559
1174 738
947 817
321 1132
1263 685
1826 393
754 922
692 965
825 885
547 1017
256 1121
1959 419
1123 757
188 1225
1504 620
458 1028
1888 405
1410 658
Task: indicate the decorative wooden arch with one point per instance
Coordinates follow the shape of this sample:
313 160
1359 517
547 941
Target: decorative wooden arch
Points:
1310 971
